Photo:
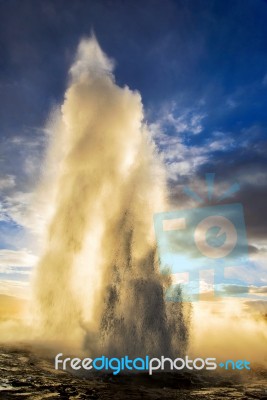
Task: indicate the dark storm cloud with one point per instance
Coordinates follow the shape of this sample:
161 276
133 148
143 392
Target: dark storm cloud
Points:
232 290
255 250
248 167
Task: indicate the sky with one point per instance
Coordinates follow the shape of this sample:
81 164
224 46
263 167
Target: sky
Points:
201 69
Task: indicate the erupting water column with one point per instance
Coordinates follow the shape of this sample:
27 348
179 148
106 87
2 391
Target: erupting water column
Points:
97 280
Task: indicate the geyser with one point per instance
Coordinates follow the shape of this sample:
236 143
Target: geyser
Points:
98 281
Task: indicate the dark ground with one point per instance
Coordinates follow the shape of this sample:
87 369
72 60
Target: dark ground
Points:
25 375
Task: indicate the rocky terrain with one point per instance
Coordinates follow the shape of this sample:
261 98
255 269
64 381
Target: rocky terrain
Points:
27 375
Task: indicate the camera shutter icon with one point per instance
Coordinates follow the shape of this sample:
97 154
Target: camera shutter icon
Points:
204 238
215 236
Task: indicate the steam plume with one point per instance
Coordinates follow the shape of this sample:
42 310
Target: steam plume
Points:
98 281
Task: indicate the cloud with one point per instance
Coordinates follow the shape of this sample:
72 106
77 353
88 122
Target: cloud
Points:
239 290
21 167
255 249
23 201
187 122
180 160
16 258
168 132
232 290
15 271
14 207
231 103
228 141
246 165
25 213
183 120
7 182
184 156
258 290
220 141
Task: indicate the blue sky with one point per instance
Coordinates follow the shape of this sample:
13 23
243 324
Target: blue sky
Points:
201 68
